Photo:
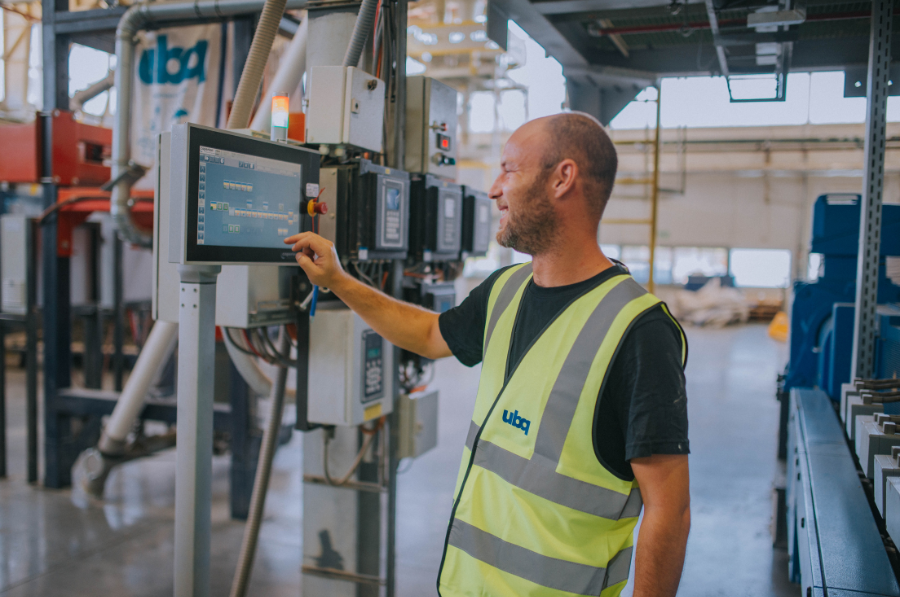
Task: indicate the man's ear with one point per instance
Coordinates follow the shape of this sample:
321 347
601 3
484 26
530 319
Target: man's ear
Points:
564 177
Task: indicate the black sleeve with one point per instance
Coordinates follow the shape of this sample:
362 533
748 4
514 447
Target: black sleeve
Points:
463 327
643 408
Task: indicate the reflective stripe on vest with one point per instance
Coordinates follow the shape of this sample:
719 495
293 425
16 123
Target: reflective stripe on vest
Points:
535 513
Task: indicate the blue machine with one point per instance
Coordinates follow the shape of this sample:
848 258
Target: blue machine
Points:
834 543
822 313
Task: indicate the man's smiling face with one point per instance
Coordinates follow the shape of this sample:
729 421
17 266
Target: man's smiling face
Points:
528 222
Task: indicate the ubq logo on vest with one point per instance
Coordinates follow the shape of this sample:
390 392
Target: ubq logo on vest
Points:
154 65
516 421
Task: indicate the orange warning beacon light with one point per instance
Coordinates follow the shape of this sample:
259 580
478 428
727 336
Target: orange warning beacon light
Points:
280 118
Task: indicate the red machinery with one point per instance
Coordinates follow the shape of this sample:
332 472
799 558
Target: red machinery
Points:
78 152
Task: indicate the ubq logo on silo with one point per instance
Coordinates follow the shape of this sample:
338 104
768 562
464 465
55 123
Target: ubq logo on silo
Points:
154 64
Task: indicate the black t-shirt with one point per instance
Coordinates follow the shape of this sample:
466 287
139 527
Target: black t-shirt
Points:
642 409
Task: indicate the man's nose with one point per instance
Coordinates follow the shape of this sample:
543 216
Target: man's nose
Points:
496 189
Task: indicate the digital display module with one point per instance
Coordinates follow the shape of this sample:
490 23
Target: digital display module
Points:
246 200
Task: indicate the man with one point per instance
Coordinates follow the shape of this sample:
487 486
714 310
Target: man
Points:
581 413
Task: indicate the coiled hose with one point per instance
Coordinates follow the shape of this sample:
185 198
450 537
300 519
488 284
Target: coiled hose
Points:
255 66
361 30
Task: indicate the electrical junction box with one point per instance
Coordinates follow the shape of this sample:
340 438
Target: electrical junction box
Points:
351 369
15 238
418 423
368 210
438 297
246 296
346 107
436 214
476 224
431 127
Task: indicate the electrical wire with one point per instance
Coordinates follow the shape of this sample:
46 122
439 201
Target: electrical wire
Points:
366 278
356 461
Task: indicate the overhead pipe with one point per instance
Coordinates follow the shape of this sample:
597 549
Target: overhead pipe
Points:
136 19
287 77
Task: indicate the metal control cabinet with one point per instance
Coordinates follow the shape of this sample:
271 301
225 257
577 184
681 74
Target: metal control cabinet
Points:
431 125
346 107
368 210
418 425
351 368
436 214
15 239
476 224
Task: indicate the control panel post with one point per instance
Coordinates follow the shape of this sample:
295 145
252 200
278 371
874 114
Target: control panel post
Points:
193 475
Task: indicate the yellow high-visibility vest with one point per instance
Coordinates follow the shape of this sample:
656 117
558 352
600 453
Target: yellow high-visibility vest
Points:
535 513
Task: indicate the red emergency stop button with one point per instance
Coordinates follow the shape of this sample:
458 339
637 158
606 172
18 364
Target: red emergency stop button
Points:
315 208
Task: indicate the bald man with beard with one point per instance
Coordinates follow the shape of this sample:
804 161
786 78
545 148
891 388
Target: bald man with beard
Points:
580 422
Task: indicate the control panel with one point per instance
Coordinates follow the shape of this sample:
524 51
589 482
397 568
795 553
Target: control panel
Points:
436 214
476 227
233 198
431 126
373 368
350 369
368 210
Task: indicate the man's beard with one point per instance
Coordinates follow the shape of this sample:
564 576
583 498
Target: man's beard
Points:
534 228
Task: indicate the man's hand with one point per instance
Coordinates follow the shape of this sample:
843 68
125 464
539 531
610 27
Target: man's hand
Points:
404 325
318 258
665 489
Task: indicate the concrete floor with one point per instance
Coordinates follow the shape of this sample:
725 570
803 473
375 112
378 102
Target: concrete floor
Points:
63 543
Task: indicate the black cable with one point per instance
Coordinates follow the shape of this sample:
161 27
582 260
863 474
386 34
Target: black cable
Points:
237 345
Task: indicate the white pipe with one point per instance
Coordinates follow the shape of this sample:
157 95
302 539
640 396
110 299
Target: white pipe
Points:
286 79
76 103
159 346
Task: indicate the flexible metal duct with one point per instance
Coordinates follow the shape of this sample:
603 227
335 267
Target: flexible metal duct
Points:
287 77
364 24
255 66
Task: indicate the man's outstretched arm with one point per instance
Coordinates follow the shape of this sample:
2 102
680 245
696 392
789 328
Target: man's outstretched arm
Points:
665 489
402 324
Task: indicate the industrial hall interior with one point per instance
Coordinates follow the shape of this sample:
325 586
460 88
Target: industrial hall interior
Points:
451 298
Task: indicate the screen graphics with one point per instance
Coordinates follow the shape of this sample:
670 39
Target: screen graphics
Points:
246 201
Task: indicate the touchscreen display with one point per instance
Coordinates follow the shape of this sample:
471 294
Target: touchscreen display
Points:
246 201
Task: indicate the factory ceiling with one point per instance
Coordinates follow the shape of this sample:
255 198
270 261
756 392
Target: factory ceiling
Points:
611 49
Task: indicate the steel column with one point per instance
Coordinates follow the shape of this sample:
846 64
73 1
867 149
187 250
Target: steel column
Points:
398 159
31 342
863 364
118 314
55 270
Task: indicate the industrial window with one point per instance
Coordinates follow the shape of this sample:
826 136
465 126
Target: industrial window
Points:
814 267
86 67
812 98
2 59
698 261
611 251
761 268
